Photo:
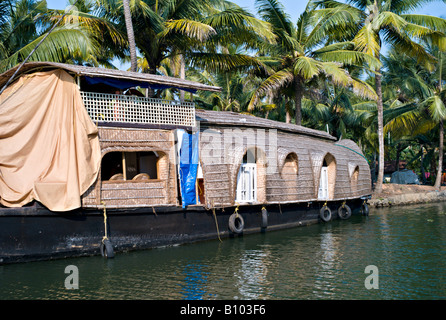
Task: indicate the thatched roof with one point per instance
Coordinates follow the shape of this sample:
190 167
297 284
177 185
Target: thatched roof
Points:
107 73
245 120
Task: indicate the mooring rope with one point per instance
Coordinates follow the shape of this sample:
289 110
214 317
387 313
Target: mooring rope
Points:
216 224
105 223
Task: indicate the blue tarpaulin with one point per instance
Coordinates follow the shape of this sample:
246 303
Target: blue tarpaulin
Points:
189 168
126 84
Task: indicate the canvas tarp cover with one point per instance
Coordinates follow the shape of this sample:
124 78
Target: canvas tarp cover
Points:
49 147
404 177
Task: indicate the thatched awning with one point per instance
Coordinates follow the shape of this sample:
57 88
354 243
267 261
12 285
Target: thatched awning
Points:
156 80
234 119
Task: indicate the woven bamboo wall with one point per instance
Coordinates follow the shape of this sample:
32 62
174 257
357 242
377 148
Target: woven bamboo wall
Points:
161 191
293 165
288 167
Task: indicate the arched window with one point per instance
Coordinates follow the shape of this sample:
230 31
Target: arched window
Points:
247 178
290 167
289 172
327 179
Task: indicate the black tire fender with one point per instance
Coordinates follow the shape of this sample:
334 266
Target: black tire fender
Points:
325 214
365 209
236 223
344 212
107 249
264 218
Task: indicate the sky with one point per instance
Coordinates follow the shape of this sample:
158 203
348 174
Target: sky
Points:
293 7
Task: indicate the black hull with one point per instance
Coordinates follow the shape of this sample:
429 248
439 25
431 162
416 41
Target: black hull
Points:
35 233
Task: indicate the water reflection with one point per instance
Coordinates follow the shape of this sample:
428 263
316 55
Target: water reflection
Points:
327 266
325 261
252 278
193 286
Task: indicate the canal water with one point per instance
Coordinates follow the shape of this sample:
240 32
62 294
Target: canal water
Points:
405 247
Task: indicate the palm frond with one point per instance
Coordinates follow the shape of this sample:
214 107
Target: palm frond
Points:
330 21
307 67
367 40
273 12
363 89
272 84
436 107
431 22
190 28
60 45
238 20
403 120
350 57
221 62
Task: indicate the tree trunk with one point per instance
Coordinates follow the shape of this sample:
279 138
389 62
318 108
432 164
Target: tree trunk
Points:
182 75
379 102
131 35
398 154
288 112
440 158
423 173
298 100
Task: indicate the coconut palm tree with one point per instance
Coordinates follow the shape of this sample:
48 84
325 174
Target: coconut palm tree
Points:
388 21
196 29
130 34
24 23
313 48
426 109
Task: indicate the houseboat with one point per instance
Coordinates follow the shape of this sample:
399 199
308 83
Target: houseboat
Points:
92 161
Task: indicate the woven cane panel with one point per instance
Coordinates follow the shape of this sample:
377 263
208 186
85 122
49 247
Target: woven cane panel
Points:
283 186
134 193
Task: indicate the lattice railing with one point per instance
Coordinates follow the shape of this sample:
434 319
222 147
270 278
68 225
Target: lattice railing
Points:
104 107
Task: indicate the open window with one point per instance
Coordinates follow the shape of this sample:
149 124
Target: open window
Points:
247 179
327 178
130 166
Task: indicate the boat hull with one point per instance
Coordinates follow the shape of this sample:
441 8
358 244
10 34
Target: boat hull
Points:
34 233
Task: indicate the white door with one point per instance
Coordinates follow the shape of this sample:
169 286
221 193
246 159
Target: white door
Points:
323 184
247 183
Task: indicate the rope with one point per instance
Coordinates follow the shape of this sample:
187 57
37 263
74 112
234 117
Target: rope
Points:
216 224
353 151
105 223
236 211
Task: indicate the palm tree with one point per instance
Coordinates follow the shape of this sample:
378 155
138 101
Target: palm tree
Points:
307 51
387 20
24 23
130 34
170 28
426 110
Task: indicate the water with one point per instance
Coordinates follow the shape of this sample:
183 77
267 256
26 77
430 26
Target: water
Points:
324 261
